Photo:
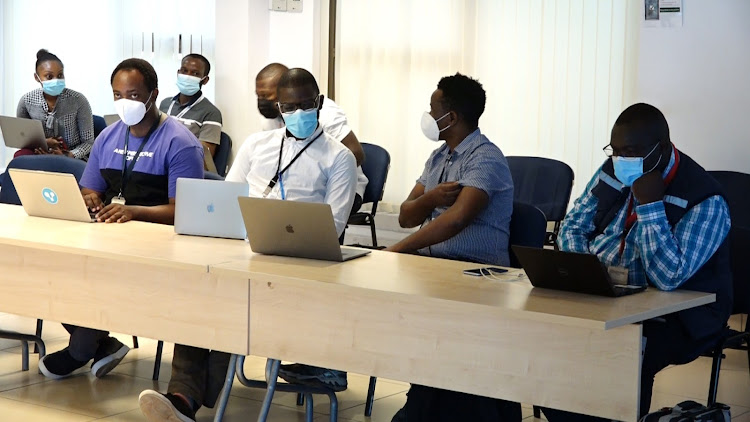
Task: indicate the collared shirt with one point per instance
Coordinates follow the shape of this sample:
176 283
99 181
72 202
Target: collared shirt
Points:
478 163
334 122
324 173
199 115
71 119
667 256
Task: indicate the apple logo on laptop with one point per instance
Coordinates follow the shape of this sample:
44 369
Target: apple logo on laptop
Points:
210 207
289 228
49 195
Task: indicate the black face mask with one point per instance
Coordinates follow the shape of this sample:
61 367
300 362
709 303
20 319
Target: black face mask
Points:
268 109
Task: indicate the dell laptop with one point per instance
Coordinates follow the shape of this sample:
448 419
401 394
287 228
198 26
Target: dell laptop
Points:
294 228
23 133
51 195
209 208
570 271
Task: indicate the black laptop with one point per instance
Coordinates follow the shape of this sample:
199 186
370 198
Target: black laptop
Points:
569 271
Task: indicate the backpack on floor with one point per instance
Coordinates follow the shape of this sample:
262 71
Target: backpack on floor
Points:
689 411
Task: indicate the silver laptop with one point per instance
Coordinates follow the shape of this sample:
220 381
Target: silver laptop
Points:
111 118
209 208
22 133
51 195
293 228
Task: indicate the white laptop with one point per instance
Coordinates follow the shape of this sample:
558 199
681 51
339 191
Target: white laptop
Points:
209 208
51 195
293 228
22 133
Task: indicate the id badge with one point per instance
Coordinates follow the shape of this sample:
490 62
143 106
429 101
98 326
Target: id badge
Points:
118 200
618 275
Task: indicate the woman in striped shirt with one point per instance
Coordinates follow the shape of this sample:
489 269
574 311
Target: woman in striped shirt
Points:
65 114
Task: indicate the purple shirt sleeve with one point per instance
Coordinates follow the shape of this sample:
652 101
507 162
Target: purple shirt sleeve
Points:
92 175
187 162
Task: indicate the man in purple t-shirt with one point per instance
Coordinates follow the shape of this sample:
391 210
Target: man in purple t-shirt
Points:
120 187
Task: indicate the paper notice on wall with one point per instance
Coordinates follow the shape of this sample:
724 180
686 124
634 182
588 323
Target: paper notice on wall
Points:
662 13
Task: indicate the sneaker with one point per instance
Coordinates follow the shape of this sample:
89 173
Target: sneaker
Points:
158 407
108 356
59 364
313 376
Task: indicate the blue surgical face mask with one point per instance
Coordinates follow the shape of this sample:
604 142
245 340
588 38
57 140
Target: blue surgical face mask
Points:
302 123
53 87
188 85
630 169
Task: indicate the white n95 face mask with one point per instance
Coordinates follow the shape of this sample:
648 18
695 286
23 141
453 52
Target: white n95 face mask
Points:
131 112
430 127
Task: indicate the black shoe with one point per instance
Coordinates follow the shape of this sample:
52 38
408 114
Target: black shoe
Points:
313 376
108 356
158 407
400 416
59 364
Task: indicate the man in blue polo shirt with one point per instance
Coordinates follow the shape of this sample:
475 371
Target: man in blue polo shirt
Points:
463 202
131 175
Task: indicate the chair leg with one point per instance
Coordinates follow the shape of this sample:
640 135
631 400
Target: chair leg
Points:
272 377
24 355
537 412
308 407
157 360
370 397
39 323
715 370
334 407
300 399
135 342
221 407
372 230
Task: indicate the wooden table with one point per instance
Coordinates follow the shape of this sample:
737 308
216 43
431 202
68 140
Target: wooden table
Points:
398 316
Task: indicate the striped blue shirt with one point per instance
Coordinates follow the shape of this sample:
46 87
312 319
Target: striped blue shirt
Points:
667 255
478 163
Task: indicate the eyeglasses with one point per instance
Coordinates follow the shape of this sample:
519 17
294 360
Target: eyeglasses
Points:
304 105
629 152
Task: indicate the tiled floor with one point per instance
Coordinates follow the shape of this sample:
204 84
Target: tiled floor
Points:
28 396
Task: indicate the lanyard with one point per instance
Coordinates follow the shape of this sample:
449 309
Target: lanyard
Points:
631 215
128 169
280 171
185 110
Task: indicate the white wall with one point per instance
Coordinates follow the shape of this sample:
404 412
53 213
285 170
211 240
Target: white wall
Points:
248 37
699 76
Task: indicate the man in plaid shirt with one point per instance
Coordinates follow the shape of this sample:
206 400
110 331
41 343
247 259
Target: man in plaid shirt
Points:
653 211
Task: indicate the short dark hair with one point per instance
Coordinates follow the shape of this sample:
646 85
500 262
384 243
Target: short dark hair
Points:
465 96
45 56
646 118
143 67
272 70
296 78
201 58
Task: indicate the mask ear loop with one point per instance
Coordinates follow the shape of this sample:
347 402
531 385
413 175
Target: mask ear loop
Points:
657 162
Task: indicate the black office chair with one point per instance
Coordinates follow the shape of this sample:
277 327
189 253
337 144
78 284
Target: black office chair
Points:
99 125
376 165
736 187
528 227
544 183
223 151
209 175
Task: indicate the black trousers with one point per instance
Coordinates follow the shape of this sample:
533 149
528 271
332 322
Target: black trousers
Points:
84 341
198 373
428 404
667 343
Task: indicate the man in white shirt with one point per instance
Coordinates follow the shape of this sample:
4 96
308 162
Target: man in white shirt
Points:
299 162
332 119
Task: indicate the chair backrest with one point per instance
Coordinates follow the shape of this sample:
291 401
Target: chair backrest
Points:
99 125
53 163
376 166
221 158
736 187
528 227
542 182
